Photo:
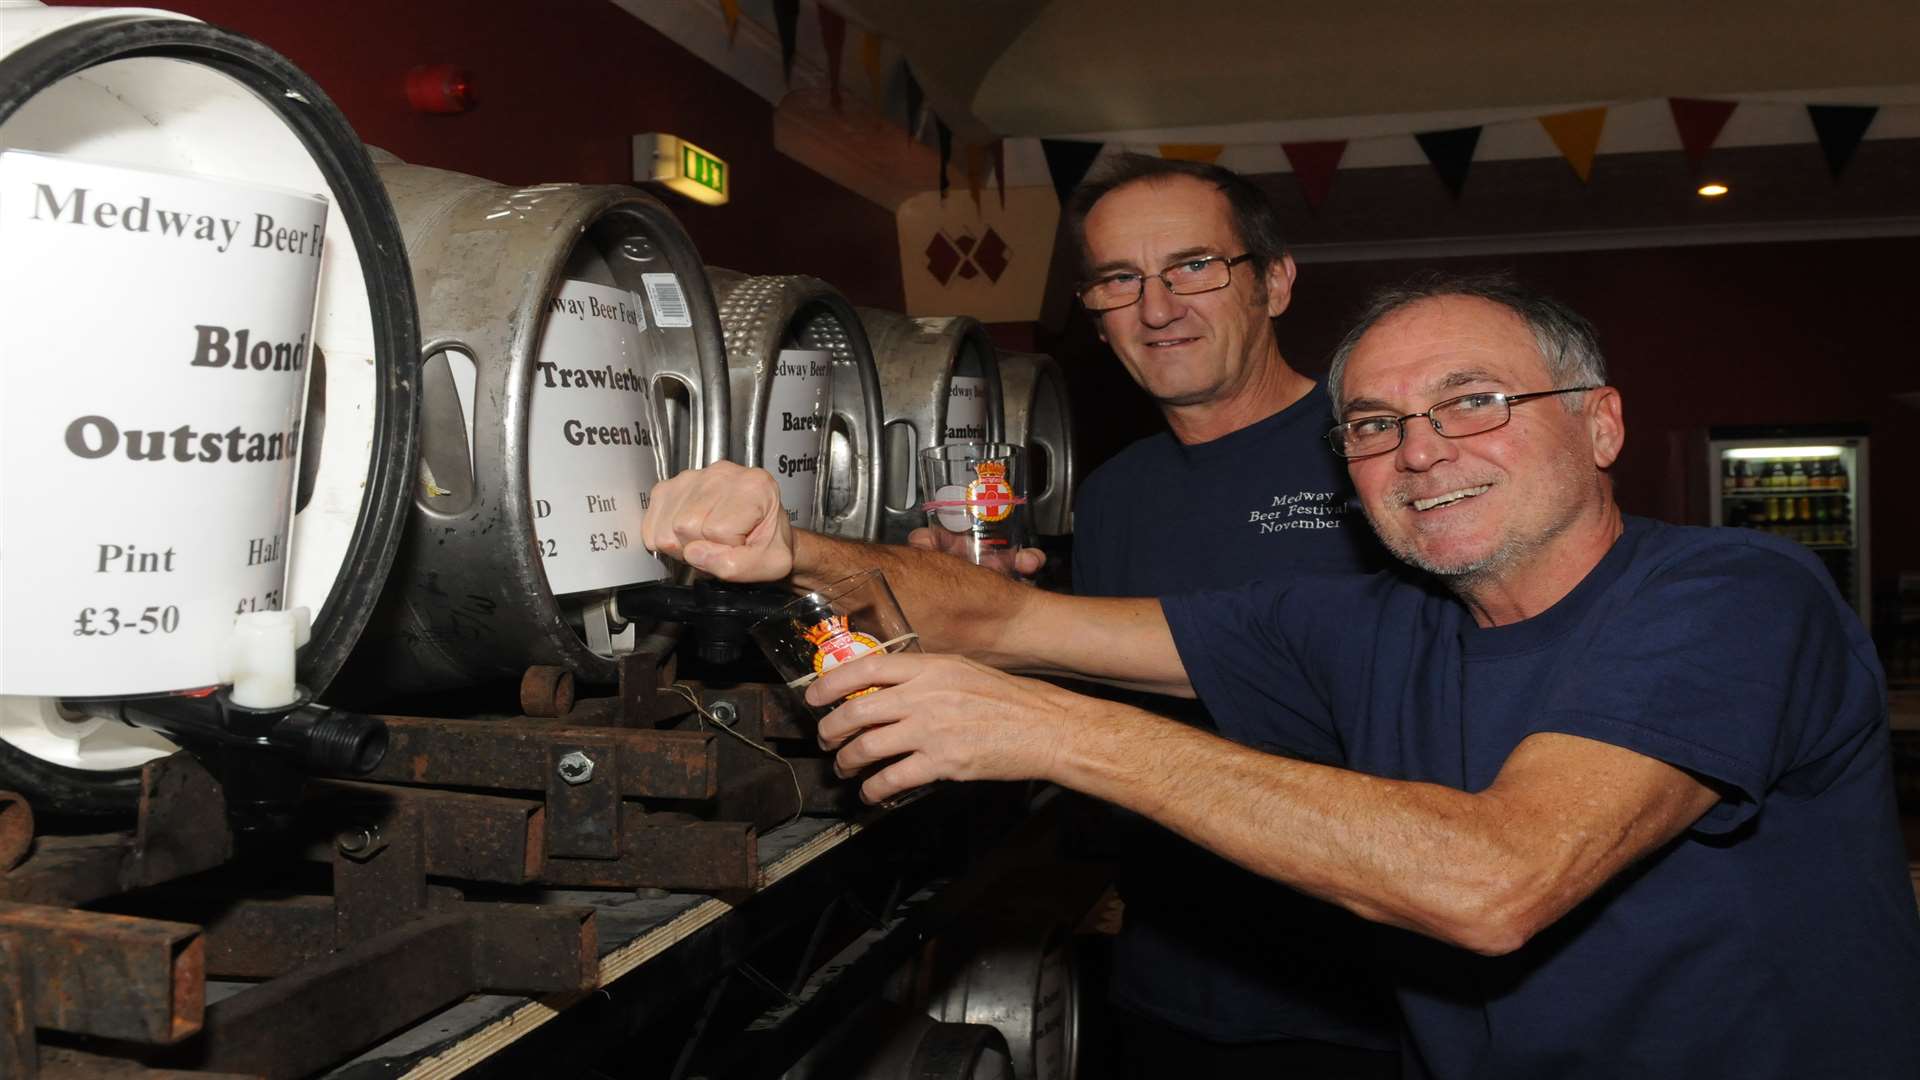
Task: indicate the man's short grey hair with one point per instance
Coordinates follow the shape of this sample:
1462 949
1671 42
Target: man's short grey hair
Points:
1565 338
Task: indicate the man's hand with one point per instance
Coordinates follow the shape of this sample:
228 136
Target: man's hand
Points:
725 519
1026 561
943 718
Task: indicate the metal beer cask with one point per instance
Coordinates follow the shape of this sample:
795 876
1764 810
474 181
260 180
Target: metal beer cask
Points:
1013 970
762 315
919 359
470 598
153 90
1040 417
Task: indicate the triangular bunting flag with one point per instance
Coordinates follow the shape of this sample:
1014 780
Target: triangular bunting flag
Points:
1067 163
1000 169
833 34
876 77
1840 128
1577 134
913 101
786 17
976 171
1201 152
1451 153
944 137
1699 122
1314 164
730 10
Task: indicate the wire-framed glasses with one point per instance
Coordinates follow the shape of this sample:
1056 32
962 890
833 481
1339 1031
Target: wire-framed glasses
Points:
1203 273
1454 418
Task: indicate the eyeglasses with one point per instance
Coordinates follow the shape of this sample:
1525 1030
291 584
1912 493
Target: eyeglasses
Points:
1454 418
1184 278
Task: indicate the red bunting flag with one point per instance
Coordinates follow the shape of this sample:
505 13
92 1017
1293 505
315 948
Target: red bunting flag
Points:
1314 164
1699 122
833 34
1204 153
876 75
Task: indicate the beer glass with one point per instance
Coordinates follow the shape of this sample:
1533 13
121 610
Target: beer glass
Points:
818 632
977 501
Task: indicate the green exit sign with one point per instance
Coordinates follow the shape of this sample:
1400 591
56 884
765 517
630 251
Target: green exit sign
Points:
704 169
681 167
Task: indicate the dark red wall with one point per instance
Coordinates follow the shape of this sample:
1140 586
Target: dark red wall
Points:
1695 337
562 86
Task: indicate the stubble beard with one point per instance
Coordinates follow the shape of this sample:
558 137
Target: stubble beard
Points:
1466 577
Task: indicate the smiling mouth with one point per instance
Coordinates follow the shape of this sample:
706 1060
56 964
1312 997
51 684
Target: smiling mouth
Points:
1450 498
1171 342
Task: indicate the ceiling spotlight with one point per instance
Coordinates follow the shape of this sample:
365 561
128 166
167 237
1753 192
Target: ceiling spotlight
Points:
1712 189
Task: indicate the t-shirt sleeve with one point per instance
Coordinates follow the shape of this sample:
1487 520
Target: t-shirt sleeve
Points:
1736 663
1242 651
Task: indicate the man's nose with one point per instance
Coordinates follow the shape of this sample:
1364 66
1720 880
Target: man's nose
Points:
1158 304
1422 446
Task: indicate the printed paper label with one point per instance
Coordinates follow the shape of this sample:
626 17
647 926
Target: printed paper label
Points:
668 299
794 442
156 350
591 461
966 410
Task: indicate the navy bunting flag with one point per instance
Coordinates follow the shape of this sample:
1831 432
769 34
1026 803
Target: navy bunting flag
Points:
1451 153
1067 163
1840 128
786 16
945 136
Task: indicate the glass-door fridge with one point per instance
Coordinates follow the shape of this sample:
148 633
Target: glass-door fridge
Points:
1806 484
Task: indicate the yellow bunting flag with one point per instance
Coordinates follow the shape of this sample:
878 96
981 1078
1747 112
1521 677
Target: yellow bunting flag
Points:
1201 152
870 62
1577 134
731 9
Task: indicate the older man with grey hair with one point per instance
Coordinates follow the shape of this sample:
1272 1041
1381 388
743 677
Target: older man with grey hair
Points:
1618 793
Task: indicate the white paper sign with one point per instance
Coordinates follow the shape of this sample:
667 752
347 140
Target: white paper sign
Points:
668 299
794 442
591 460
155 355
966 409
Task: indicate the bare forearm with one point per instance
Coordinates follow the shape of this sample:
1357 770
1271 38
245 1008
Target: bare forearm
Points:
1464 868
958 607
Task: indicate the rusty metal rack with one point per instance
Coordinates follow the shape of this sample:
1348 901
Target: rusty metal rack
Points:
481 883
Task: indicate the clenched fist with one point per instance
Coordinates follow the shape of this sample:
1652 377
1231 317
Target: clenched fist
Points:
725 519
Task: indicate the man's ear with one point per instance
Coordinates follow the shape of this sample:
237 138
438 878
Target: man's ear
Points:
1280 275
1606 425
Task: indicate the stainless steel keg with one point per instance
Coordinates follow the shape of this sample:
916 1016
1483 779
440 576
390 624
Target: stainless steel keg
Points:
141 89
1013 970
939 383
1040 417
573 357
779 331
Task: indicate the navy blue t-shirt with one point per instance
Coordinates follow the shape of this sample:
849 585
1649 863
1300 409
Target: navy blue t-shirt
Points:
1206 946
1777 937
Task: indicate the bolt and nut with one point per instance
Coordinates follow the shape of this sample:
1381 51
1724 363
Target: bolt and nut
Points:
576 768
359 841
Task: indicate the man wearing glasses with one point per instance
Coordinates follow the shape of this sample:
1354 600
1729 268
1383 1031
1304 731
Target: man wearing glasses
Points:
1218 971
1619 791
